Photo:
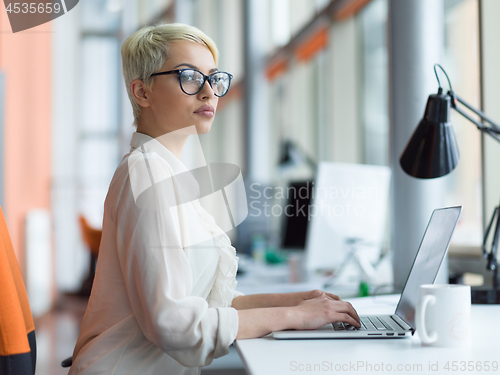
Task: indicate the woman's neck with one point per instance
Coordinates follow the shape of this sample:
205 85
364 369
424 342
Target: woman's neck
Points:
174 141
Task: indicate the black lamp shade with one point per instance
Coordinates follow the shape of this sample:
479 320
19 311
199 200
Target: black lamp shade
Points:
432 150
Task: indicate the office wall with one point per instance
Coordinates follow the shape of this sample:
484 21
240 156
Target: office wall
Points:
25 59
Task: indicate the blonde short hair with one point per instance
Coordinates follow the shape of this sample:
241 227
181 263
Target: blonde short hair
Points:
145 51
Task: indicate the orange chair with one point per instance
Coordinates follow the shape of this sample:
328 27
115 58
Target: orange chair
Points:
92 239
91 236
17 330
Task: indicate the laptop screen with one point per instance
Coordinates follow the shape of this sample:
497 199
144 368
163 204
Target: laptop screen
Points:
428 259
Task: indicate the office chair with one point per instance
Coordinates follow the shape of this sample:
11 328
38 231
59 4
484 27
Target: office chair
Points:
91 236
92 239
17 330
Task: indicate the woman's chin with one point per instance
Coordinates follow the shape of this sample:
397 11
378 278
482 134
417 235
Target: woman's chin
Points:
203 128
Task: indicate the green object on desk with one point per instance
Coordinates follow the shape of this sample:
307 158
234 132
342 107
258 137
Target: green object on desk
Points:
273 256
364 289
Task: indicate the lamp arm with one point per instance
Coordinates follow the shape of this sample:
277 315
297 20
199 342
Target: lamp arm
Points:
308 159
480 113
492 255
492 258
493 129
493 133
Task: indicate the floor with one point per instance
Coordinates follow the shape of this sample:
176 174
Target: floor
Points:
56 335
57 332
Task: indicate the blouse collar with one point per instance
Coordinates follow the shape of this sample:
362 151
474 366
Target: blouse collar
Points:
144 143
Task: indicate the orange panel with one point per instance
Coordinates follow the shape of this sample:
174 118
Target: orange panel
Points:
26 60
276 68
349 9
312 45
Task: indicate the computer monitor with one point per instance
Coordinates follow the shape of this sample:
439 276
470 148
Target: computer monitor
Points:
295 217
349 208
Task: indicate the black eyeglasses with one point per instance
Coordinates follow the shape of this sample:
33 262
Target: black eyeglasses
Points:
192 81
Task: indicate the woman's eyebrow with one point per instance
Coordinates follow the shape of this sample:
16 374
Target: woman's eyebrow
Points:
194 67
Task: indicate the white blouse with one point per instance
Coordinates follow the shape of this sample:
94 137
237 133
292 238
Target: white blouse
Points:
165 277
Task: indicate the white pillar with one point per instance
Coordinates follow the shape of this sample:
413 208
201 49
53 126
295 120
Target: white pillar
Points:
416 29
71 258
257 128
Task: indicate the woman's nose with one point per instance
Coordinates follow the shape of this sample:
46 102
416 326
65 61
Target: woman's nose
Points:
207 90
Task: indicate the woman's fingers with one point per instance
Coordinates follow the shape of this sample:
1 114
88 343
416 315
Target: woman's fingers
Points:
354 312
317 292
317 312
346 318
347 310
332 308
333 296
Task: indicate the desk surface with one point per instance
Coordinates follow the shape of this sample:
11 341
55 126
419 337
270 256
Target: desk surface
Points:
377 356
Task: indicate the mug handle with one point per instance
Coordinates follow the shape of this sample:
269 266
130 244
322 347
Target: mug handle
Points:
421 309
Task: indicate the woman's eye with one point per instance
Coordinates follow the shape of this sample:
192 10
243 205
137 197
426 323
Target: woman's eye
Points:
187 77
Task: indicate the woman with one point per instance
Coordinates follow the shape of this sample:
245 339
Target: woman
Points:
163 300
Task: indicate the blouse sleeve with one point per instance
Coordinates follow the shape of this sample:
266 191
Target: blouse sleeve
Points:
158 280
237 294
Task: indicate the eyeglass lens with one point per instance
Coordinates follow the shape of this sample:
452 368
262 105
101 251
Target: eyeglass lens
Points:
192 80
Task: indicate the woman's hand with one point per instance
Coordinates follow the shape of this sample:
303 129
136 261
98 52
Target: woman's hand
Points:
323 309
311 294
310 313
254 301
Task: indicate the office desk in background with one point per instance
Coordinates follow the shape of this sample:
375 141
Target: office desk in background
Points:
267 355
266 278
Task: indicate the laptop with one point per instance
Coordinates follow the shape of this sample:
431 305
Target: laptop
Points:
424 270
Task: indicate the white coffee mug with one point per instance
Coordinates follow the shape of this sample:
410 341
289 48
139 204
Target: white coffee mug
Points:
443 315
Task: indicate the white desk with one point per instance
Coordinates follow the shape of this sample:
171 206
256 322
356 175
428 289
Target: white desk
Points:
270 356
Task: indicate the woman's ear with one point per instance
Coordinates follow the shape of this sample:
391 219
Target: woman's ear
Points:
140 92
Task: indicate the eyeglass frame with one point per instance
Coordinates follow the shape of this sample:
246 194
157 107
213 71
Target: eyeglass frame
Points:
205 78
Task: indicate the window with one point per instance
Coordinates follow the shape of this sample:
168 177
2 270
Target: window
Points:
461 62
375 81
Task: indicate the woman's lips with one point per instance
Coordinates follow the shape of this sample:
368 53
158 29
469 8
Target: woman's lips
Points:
206 110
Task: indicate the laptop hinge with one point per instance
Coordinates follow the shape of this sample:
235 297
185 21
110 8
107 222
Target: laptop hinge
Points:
403 323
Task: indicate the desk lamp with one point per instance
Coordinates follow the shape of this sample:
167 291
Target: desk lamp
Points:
291 155
432 152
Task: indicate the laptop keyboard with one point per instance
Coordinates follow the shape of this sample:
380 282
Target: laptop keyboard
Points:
367 324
